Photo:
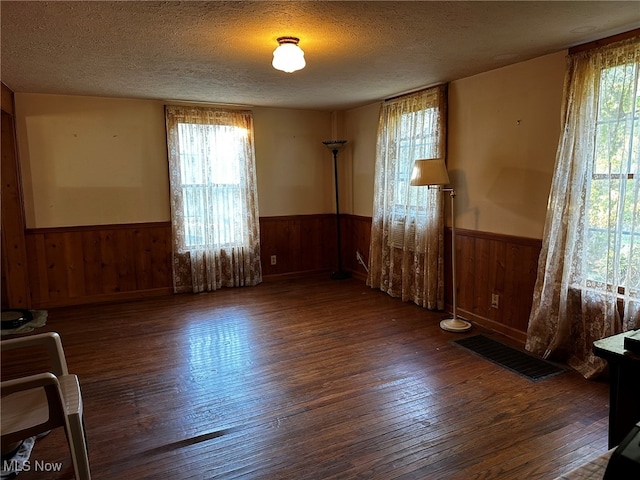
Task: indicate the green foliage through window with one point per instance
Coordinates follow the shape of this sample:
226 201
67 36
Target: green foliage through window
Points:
613 233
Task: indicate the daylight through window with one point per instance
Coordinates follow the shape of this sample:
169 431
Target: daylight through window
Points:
612 233
210 163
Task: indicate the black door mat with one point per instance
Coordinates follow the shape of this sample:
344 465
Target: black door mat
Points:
523 363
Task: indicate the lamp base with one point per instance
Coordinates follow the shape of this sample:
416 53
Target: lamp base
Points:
455 325
340 275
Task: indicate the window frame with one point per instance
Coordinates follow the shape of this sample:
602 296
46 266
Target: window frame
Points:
631 142
193 241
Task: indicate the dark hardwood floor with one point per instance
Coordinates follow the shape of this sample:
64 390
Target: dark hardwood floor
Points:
306 378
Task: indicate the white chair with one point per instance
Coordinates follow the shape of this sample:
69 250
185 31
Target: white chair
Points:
38 403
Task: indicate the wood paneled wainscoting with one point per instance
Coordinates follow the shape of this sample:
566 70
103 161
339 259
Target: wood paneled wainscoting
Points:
358 239
300 243
307 243
105 263
494 264
98 263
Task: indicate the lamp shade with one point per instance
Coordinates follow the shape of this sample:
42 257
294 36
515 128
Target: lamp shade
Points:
429 171
288 57
334 144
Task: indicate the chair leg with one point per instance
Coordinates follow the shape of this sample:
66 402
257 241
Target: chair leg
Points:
78 447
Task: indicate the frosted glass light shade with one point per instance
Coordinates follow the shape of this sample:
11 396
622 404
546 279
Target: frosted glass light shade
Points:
429 171
288 57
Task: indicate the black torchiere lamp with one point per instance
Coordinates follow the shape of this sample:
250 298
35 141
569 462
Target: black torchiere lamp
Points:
335 146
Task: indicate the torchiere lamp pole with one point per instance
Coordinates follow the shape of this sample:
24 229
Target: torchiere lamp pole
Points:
335 146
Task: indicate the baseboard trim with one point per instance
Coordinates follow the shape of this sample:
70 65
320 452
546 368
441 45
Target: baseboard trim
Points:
106 298
299 274
512 333
305 273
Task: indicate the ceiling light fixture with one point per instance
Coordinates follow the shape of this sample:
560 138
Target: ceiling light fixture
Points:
288 57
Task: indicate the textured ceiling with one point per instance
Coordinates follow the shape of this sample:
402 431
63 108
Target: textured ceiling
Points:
220 52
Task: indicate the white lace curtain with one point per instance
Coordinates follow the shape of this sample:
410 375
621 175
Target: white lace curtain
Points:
214 204
588 284
407 232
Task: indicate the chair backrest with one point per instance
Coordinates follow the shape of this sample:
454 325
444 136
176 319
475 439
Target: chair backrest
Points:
50 340
31 405
38 403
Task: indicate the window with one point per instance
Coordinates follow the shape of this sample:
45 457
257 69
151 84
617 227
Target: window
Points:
405 256
419 138
413 143
210 161
612 232
214 203
588 284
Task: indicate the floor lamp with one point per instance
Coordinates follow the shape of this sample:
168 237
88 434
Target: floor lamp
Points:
433 172
335 146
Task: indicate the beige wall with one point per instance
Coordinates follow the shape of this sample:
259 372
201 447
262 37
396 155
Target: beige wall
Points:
361 125
92 161
294 169
504 127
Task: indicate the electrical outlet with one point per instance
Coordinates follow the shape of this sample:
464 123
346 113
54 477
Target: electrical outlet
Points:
495 300
273 259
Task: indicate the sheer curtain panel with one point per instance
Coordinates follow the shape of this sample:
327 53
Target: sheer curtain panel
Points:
407 232
214 205
588 284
